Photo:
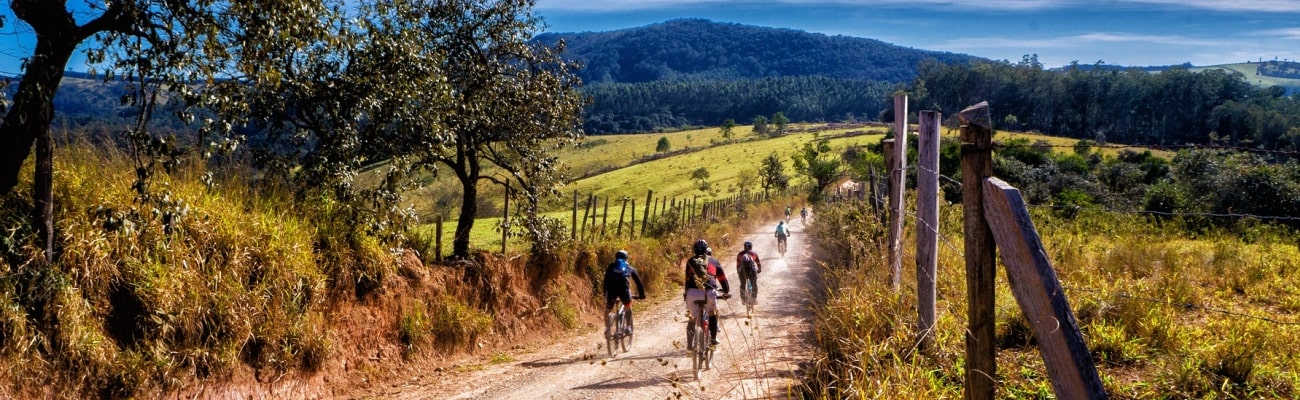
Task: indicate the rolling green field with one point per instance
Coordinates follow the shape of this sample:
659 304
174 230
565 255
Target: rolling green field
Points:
728 164
1248 70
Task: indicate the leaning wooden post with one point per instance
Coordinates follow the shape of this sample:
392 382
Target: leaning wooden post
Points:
631 225
977 165
437 240
897 188
875 199
604 217
645 219
892 247
505 221
927 231
1037 290
574 234
621 211
586 213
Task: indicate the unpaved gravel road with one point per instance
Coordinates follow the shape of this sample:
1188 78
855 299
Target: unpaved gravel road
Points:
758 357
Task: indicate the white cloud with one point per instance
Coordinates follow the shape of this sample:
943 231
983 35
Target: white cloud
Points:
1076 41
1283 33
1221 5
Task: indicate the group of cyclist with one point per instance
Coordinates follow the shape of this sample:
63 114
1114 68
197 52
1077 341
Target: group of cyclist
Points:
704 278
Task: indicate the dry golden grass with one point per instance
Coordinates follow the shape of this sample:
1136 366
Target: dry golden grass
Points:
1167 312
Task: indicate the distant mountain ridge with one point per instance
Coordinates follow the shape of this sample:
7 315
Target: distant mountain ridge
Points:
703 49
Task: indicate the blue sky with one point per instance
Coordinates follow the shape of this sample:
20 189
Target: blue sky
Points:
1127 32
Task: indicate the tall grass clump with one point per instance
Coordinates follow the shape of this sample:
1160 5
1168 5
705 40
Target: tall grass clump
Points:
1167 308
204 276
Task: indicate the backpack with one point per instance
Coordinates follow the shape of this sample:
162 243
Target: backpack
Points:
697 269
748 262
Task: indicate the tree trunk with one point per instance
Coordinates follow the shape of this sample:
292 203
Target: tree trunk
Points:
468 209
33 104
43 194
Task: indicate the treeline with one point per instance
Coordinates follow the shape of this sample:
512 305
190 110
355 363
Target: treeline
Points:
1279 69
641 107
1176 106
698 48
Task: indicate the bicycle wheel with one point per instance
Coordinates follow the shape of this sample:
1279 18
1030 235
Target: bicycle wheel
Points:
697 356
610 334
627 329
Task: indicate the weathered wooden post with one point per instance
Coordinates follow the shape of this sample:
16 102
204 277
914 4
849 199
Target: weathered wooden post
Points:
927 231
875 199
631 225
897 188
645 219
505 221
437 240
604 217
1037 290
574 234
977 165
586 213
621 211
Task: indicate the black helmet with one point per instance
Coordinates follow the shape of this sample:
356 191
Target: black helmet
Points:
620 255
701 247
749 245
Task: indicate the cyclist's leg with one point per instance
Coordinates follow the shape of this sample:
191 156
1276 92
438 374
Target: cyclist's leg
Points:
609 307
713 315
627 310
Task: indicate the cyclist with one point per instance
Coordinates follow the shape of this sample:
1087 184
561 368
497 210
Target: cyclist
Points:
748 266
781 233
787 213
803 215
617 287
703 278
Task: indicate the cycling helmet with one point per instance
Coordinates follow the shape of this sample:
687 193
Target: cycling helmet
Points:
701 247
749 245
620 255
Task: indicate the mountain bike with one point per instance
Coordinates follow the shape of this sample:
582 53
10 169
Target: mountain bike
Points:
618 329
749 291
697 337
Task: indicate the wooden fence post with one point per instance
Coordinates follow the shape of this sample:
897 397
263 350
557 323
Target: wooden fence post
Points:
574 234
604 217
586 213
977 165
875 199
631 226
621 211
1037 290
437 240
927 231
505 221
645 219
897 189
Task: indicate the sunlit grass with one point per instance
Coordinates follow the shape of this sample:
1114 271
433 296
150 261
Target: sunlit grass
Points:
1166 312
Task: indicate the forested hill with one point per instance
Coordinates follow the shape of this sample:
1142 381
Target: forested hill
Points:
697 48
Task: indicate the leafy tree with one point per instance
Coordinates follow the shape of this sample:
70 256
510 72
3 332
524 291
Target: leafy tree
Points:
780 121
663 146
818 166
772 174
760 125
158 44
727 127
516 101
701 178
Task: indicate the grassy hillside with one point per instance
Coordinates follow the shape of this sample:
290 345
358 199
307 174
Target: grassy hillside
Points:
612 162
1248 71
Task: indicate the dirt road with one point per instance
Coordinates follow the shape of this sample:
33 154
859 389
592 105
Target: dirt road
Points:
757 358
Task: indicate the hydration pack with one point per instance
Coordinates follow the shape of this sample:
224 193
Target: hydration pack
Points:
747 262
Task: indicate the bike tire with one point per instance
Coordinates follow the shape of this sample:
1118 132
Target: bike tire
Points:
610 335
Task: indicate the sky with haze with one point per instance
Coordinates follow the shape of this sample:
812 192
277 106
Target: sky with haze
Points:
1124 32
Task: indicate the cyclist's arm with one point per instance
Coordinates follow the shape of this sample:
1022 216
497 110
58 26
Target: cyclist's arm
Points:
758 262
640 287
722 280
